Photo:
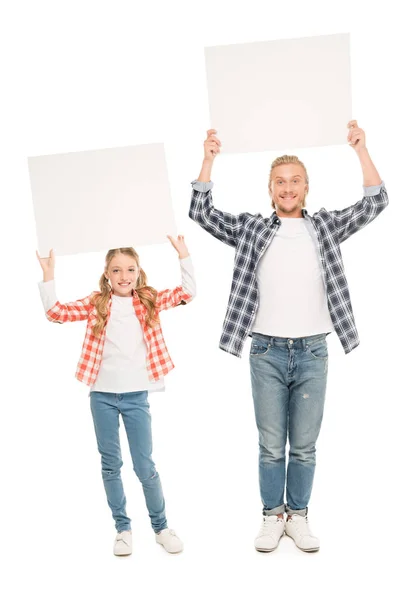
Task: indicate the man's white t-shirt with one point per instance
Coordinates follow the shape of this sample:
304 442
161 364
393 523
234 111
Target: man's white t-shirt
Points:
292 297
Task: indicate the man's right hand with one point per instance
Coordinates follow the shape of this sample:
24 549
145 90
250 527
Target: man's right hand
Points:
212 145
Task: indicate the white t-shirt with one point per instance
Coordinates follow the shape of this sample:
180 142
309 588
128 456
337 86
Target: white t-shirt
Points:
123 364
292 297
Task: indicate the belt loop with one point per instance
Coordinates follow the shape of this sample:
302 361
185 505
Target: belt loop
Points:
304 343
272 341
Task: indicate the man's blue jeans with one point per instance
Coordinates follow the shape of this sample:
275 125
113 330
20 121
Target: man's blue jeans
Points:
134 409
288 378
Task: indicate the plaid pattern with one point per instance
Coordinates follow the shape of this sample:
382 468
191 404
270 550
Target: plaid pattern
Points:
158 361
251 235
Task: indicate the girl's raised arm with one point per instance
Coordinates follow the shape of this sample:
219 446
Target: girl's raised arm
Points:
185 292
55 311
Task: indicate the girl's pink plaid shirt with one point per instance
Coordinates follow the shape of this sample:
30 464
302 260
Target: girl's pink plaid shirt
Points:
158 361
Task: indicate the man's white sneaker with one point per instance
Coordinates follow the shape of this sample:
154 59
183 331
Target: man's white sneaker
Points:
170 541
123 543
298 529
271 531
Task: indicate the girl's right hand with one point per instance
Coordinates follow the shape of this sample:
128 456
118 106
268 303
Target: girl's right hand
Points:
212 145
47 263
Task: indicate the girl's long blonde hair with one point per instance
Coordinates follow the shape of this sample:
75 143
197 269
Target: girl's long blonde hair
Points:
287 159
147 294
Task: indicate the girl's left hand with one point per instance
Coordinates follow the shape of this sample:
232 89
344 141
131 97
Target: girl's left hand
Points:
356 136
179 245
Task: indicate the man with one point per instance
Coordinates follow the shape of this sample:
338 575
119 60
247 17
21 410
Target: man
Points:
289 291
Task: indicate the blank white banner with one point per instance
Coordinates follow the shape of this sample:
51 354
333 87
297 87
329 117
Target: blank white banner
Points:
280 94
100 199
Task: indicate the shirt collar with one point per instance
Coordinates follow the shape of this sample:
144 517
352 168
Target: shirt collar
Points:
134 295
275 219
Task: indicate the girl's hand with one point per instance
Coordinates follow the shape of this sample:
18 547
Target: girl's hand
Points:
179 245
356 136
47 263
212 145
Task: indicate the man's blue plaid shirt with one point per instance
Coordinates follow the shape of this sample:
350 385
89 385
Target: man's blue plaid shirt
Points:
251 235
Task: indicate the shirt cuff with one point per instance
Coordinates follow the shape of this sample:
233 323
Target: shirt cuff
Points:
202 186
373 190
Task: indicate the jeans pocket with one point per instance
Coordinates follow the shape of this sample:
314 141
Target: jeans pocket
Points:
318 349
259 348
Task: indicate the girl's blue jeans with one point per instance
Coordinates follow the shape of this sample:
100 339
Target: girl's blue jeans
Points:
134 409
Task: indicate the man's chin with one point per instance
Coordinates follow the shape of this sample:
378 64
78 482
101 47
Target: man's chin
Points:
288 210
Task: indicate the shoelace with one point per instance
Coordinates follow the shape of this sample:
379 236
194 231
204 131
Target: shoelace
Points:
267 525
302 526
168 532
121 539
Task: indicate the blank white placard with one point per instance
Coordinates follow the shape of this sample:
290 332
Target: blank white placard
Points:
100 199
280 94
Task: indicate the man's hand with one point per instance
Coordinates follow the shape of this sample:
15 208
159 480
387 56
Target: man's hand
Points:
356 136
212 145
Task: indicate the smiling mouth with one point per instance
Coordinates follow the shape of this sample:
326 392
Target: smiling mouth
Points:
124 284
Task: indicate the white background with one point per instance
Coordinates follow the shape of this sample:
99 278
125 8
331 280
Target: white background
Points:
78 76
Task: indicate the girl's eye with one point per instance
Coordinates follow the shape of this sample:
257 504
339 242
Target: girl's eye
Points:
132 270
115 270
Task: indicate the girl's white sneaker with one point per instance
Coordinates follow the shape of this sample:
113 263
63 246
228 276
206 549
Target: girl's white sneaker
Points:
123 543
170 541
271 531
298 529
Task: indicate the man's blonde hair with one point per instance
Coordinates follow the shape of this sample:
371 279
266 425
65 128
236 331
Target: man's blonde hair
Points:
287 159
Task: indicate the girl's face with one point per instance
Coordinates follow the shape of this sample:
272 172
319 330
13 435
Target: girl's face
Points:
123 273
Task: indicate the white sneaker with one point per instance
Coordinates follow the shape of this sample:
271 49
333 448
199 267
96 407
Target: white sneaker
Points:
271 531
123 543
170 541
298 529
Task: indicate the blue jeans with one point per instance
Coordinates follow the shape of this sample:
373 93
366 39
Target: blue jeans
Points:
134 409
288 379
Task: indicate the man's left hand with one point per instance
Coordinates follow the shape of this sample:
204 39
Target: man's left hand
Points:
356 136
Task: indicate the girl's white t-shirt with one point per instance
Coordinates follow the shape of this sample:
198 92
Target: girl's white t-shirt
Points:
123 364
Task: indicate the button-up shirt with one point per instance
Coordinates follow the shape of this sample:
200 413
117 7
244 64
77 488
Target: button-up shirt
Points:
158 360
251 236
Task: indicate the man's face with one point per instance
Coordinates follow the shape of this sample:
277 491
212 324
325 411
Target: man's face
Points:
288 189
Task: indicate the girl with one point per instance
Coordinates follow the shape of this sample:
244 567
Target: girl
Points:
124 356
